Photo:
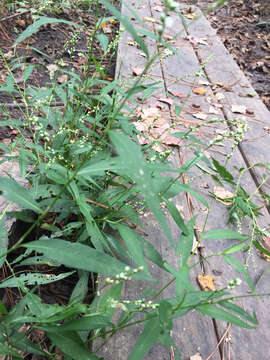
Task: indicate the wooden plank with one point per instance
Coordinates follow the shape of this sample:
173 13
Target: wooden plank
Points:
192 333
245 343
220 67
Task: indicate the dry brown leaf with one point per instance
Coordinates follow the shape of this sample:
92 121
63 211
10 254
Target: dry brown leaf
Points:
265 244
199 91
223 195
172 141
206 282
239 109
177 94
62 78
166 101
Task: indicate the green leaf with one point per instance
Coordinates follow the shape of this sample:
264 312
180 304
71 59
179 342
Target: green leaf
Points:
176 216
81 288
183 135
239 311
129 27
3 309
146 340
261 248
18 194
191 191
224 234
3 240
218 313
72 345
185 243
85 323
33 279
33 28
153 255
234 248
182 282
7 350
103 40
76 255
223 172
133 244
138 170
165 314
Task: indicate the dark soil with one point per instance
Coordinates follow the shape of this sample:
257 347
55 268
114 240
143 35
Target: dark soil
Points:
237 24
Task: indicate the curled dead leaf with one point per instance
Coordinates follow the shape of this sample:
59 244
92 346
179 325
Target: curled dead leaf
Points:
206 282
200 116
137 71
223 195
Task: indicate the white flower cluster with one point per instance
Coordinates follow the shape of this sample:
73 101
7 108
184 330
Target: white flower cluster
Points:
232 283
124 275
141 304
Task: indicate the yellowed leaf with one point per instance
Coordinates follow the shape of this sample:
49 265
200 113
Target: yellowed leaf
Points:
206 282
199 91
191 16
149 19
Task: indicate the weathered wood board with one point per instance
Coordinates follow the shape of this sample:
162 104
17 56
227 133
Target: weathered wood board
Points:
191 67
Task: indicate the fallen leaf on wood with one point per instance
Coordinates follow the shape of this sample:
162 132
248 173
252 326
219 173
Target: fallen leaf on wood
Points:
206 282
149 19
158 8
142 54
203 82
166 101
177 94
172 141
196 357
137 71
191 16
199 91
212 110
219 96
200 116
239 109
131 43
266 245
250 112
223 195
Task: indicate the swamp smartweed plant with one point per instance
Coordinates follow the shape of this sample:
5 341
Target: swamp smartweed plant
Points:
89 193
